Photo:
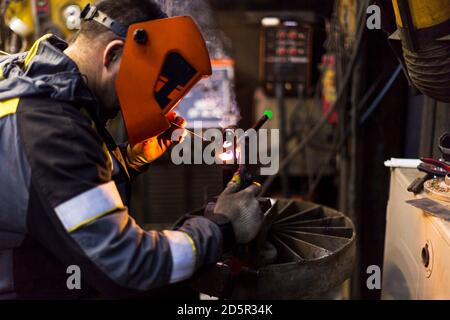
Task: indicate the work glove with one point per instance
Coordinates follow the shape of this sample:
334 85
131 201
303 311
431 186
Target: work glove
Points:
152 149
242 209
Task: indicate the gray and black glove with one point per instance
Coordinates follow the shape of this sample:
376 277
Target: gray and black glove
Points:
242 209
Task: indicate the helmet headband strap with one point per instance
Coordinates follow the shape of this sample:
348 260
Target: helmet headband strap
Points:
92 13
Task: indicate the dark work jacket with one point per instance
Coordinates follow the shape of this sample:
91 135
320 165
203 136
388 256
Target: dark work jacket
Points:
63 194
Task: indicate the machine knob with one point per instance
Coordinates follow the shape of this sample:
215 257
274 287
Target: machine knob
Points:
281 51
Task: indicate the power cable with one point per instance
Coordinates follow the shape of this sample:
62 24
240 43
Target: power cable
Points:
362 121
380 97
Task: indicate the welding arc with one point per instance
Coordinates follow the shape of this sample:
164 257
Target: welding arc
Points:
191 132
341 95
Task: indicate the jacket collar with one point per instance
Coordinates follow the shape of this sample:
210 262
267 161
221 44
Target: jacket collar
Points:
46 71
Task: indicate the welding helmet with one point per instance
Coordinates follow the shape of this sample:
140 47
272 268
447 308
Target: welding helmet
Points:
162 60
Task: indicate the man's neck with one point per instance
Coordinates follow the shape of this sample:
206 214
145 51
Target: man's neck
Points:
89 74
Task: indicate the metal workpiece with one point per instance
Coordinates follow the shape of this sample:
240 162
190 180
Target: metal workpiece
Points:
302 251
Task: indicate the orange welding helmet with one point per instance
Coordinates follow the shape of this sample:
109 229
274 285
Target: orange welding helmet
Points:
162 60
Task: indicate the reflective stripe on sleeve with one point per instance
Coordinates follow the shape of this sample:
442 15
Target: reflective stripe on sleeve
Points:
183 252
89 206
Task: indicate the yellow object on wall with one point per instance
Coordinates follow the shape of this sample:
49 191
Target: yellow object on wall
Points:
347 21
20 16
425 13
57 12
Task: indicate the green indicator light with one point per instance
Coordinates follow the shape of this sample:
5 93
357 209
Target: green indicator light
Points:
268 114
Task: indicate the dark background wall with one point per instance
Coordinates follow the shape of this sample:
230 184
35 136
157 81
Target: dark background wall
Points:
239 22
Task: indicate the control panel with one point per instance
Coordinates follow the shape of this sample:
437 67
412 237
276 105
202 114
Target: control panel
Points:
286 56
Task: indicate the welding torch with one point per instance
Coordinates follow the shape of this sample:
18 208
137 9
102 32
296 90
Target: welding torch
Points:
245 174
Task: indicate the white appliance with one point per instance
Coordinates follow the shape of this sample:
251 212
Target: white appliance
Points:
417 246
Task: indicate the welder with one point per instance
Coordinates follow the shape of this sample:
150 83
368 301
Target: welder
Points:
64 193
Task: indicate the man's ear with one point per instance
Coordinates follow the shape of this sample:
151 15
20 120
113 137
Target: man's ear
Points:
112 52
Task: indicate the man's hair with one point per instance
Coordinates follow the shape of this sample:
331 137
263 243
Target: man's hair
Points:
126 12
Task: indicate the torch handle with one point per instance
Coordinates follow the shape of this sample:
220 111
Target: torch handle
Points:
245 175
